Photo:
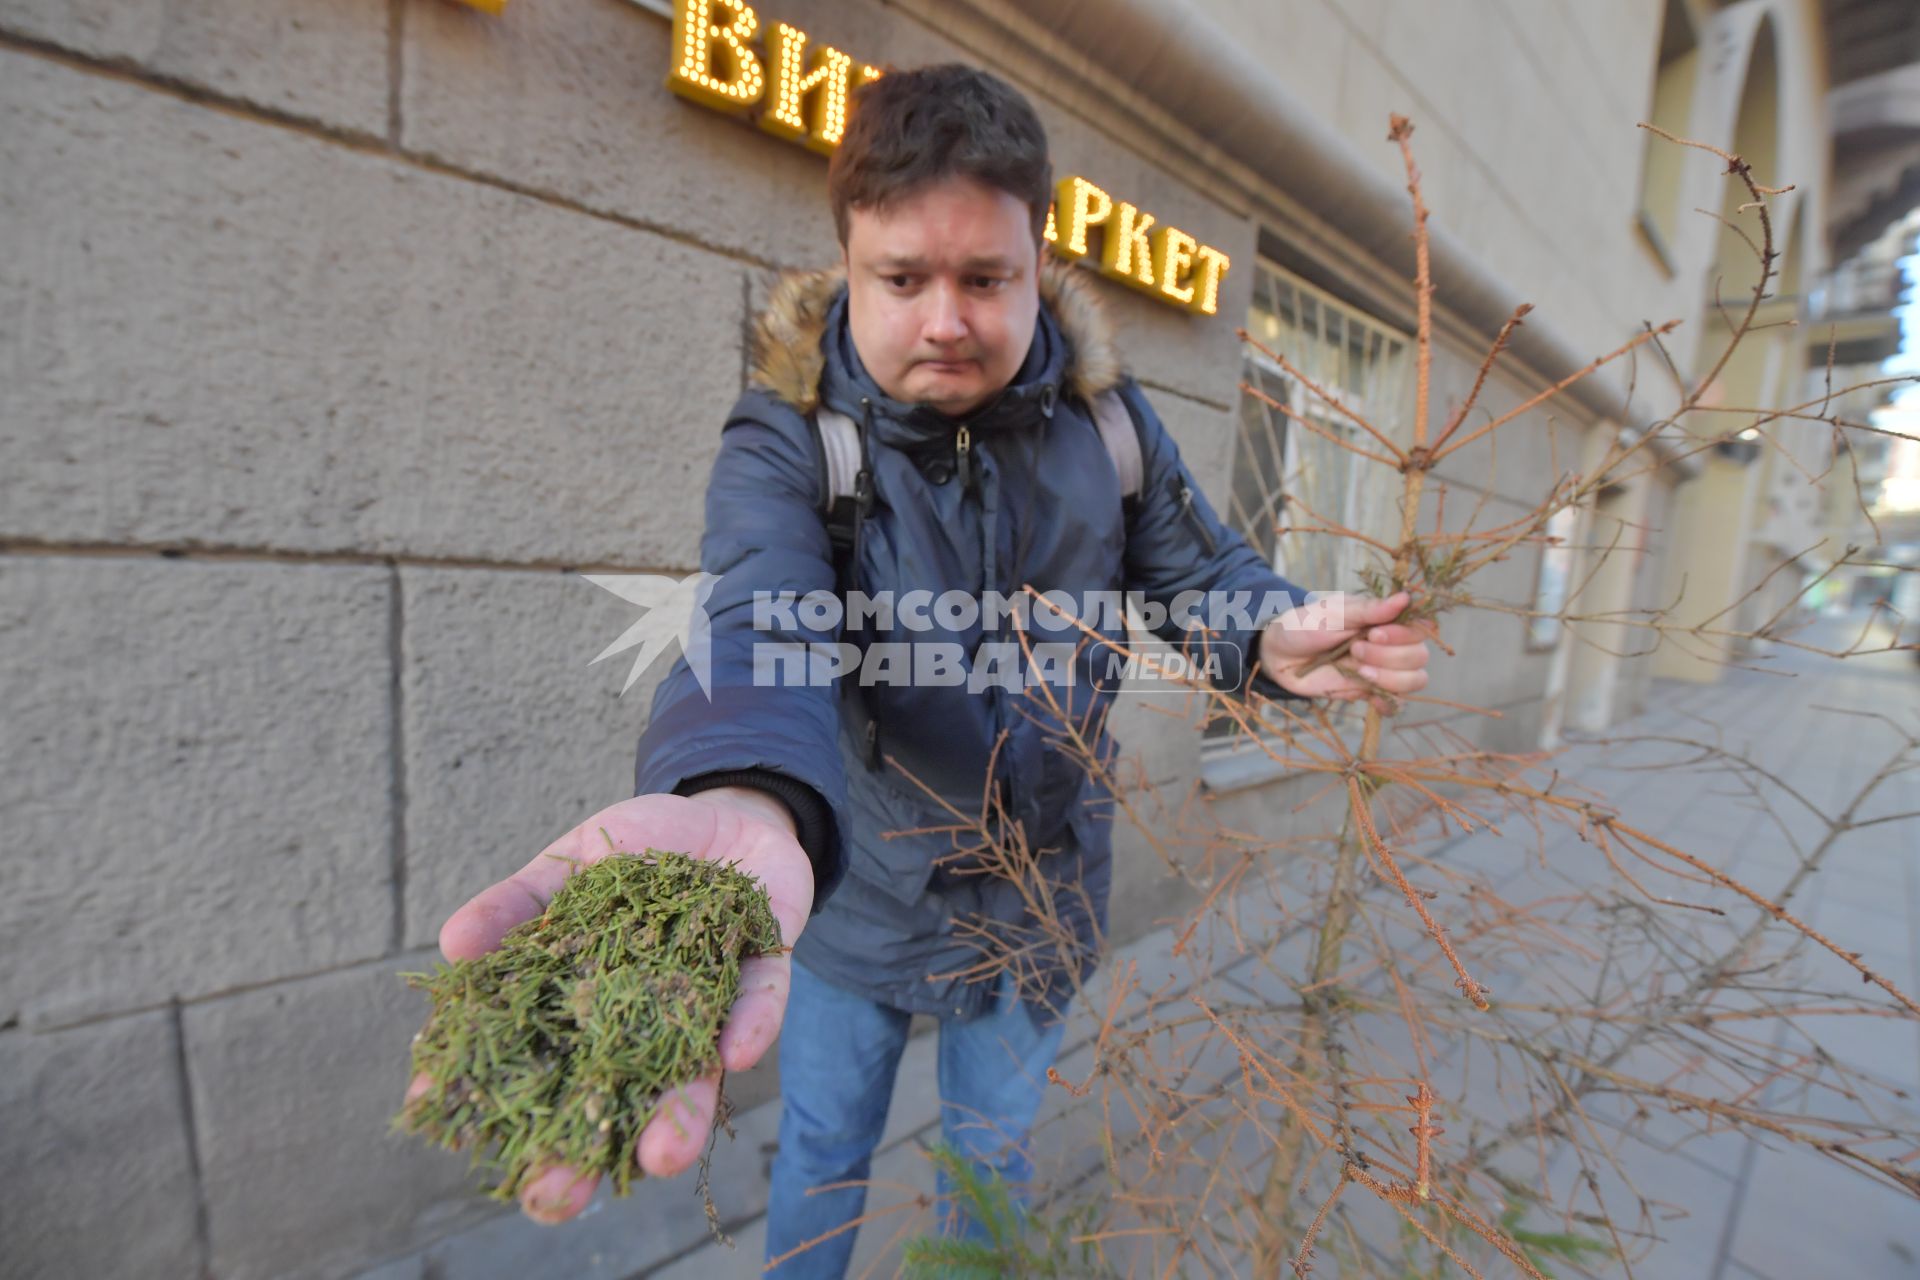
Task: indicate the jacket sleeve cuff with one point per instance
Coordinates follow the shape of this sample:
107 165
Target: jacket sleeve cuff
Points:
812 819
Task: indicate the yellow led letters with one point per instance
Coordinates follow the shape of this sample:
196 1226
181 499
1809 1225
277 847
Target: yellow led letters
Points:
703 46
1210 268
802 95
829 81
1172 256
1124 253
1164 262
1086 206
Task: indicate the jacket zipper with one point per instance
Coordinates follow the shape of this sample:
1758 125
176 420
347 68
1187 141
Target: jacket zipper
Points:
989 508
1184 492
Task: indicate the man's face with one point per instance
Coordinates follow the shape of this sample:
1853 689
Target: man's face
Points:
943 293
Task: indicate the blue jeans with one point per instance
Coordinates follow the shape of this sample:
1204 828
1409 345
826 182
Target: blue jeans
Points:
838 1055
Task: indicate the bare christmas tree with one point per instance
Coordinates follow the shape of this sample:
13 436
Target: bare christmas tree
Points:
1345 1117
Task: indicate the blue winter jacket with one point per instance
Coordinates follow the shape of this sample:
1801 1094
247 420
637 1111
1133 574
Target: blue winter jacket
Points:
910 920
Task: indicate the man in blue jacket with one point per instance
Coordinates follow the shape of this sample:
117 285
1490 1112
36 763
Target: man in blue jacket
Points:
970 366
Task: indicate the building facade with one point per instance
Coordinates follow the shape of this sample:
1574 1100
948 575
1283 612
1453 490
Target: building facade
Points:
341 339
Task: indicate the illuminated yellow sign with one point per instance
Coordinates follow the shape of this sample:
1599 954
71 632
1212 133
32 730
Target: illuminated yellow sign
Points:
716 65
1169 264
486 6
800 94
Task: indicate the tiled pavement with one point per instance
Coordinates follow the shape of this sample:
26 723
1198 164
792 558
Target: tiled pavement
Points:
1779 1211
1753 1211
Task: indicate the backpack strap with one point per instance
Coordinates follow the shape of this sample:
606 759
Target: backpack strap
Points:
839 438
846 492
1122 438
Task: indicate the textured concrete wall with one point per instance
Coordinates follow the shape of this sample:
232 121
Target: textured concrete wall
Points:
1533 162
335 338
1525 117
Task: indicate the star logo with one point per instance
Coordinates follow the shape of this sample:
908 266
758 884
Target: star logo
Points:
675 615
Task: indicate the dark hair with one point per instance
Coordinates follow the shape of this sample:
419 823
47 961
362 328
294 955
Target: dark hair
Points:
912 128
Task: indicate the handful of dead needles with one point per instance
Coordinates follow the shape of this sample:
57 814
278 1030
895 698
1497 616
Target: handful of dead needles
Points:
556 1047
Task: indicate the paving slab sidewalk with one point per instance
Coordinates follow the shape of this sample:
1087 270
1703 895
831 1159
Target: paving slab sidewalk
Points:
1752 1212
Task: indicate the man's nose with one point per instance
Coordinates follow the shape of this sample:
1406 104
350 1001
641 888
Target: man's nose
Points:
946 320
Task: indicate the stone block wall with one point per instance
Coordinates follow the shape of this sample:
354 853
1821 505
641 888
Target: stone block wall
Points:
336 340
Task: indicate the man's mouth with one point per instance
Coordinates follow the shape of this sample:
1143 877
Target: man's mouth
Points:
947 366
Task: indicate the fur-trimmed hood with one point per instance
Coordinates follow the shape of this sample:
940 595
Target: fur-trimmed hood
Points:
788 356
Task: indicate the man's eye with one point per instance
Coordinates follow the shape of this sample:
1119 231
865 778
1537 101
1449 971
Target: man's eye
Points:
987 284
900 282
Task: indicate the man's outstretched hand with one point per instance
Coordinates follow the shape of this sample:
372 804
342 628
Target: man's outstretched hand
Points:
732 824
1386 657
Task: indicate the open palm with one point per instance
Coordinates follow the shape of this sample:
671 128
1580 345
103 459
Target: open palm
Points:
711 825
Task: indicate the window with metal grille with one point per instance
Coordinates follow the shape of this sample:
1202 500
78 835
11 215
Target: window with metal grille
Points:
1290 482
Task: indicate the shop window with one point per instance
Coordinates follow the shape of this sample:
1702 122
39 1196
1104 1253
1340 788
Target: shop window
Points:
1554 578
1662 164
1289 482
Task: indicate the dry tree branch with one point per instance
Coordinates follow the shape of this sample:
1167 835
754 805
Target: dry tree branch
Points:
1241 1113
